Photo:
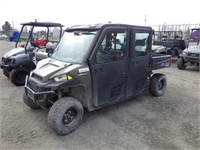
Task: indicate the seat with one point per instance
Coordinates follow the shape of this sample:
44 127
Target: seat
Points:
40 55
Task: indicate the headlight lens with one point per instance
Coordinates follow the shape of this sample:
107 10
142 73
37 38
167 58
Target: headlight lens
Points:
11 60
184 53
60 78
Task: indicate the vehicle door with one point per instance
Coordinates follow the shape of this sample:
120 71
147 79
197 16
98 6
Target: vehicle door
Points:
140 49
109 66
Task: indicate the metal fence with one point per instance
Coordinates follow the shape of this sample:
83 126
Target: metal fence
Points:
185 28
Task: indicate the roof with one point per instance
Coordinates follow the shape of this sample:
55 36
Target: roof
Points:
195 29
94 27
87 27
168 31
43 24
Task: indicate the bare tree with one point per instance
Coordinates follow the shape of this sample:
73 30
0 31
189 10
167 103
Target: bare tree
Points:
6 28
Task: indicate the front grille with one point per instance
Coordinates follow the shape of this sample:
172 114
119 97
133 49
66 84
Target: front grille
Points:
37 88
193 55
33 86
6 60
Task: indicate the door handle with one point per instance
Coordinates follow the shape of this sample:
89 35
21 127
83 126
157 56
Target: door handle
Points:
135 63
98 70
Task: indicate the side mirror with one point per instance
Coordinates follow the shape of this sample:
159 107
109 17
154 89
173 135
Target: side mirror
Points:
49 53
50 47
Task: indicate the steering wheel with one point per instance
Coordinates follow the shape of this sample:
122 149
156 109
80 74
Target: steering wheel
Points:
34 44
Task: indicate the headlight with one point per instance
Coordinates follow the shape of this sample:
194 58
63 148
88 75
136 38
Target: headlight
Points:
12 60
63 78
184 53
60 78
3 59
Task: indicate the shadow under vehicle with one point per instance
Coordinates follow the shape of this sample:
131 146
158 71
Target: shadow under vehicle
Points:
191 55
94 66
35 39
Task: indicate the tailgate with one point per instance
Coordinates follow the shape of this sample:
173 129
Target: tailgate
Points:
160 61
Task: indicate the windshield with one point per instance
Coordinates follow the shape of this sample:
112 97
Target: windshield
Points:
73 46
37 35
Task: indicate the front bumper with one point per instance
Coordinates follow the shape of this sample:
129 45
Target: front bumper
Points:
40 92
7 63
36 92
3 65
191 59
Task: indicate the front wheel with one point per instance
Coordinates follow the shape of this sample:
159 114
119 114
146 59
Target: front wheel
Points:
181 64
158 84
65 115
18 76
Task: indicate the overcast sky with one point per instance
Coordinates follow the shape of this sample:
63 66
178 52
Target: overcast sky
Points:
71 12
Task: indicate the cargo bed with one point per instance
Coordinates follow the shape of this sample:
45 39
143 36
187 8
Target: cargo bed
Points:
160 61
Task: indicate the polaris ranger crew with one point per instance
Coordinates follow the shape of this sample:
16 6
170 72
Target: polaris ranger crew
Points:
94 66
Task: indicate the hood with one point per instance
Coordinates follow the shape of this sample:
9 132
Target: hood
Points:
155 47
14 52
49 68
193 49
158 48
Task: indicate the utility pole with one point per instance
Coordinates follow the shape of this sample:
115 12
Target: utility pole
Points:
145 20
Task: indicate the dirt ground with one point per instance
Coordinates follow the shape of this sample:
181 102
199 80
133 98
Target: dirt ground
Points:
169 122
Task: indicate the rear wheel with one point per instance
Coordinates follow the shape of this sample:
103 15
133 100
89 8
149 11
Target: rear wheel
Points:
65 115
158 84
18 75
181 64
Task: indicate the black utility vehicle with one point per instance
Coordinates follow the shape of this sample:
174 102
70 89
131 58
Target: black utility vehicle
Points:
34 37
191 55
171 40
94 66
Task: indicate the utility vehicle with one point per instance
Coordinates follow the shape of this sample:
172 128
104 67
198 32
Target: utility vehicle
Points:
169 42
94 66
34 36
191 55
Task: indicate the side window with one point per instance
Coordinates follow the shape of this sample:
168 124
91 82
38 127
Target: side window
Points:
112 47
141 43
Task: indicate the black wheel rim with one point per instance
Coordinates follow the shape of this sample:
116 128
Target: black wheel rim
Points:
69 116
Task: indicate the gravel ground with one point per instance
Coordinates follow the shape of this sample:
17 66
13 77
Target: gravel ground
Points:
169 122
